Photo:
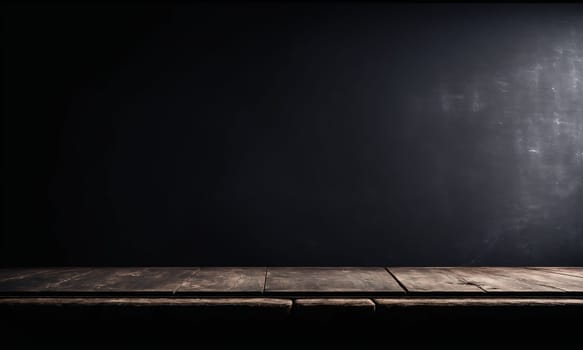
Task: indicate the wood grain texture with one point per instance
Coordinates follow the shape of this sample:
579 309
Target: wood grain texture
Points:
433 280
141 301
565 282
361 303
512 280
569 271
7 274
224 280
128 280
469 301
39 281
330 280
300 281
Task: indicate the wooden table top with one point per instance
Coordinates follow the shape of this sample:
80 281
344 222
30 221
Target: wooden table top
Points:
293 281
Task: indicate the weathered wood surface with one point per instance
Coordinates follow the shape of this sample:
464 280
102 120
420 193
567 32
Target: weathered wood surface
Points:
7 274
143 301
101 280
206 280
128 280
224 280
569 271
469 301
564 282
301 281
512 280
336 303
38 281
329 280
433 280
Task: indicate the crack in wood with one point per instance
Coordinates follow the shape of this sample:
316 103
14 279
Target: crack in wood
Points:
396 279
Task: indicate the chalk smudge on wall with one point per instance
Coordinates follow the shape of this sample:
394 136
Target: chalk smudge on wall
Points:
528 107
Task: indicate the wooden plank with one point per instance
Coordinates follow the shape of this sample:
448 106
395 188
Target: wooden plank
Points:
512 280
469 301
333 308
127 280
293 281
569 271
501 312
15 274
433 280
141 301
330 280
139 308
336 303
566 283
39 281
224 280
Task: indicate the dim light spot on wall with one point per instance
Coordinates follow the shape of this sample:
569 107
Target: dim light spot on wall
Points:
538 94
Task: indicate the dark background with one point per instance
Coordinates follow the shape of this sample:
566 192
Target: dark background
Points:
292 134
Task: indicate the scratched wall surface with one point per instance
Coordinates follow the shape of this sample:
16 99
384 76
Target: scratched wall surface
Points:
294 134
520 106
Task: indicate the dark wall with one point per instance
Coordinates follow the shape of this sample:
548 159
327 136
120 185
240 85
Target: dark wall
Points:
282 134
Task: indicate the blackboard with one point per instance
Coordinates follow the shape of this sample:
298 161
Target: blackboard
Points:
294 134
